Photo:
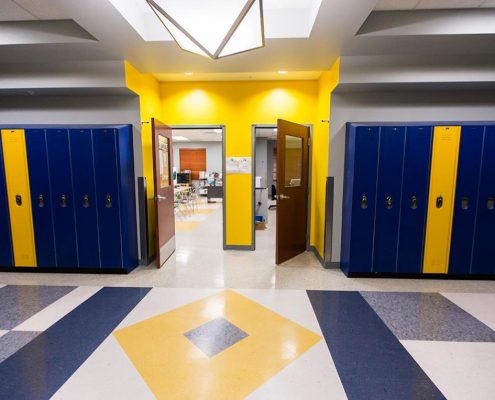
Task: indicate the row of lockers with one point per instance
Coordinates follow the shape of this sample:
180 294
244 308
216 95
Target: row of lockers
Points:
419 199
67 197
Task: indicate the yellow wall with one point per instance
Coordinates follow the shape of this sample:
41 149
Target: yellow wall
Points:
328 81
239 105
148 89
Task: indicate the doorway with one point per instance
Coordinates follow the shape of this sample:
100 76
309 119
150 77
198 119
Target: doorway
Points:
282 153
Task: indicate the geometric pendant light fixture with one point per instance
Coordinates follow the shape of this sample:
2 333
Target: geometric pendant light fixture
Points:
213 28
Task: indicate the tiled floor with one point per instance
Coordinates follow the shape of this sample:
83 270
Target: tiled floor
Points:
145 343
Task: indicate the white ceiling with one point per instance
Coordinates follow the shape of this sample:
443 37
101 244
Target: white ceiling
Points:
198 135
389 5
28 10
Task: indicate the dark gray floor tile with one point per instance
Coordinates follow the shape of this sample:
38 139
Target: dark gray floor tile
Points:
18 303
13 341
427 316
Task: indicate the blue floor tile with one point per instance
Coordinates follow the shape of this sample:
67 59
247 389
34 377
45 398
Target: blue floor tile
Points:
370 360
14 340
39 368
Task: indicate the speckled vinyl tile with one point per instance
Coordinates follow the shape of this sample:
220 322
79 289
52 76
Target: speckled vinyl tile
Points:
427 316
13 341
18 303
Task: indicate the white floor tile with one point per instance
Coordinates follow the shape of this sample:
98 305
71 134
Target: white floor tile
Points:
479 305
57 310
106 375
460 370
2 332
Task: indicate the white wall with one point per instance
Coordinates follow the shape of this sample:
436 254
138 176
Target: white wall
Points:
213 154
261 158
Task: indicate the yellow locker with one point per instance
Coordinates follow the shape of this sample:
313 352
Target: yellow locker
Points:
18 193
443 177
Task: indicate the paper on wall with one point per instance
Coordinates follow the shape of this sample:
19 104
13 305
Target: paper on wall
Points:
238 165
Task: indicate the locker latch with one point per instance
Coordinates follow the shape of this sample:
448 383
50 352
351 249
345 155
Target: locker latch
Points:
389 202
63 201
41 201
85 201
465 203
18 199
490 203
439 202
414 202
364 202
108 201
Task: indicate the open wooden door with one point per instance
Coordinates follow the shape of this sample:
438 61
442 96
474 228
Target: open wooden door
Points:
292 189
164 191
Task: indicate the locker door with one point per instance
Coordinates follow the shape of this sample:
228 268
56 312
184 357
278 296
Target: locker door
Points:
59 164
415 181
364 193
466 199
41 197
19 197
441 198
85 201
107 192
484 244
6 256
388 198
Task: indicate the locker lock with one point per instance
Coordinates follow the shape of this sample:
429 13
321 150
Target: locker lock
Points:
18 199
389 202
41 200
108 201
490 203
63 201
414 202
439 202
85 201
364 202
465 203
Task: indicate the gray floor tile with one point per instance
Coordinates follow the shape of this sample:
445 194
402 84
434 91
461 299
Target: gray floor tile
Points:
13 341
18 303
427 316
215 336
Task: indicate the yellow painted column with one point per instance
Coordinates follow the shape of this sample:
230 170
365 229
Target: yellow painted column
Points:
443 177
19 197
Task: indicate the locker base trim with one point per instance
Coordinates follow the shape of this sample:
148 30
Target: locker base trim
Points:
402 275
68 270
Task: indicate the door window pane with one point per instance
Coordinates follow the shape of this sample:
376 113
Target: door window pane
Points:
293 161
164 161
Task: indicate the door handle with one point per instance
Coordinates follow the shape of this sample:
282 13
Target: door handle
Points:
439 202
41 200
18 199
414 202
160 198
364 202
283 197
85 201
389 202
108 201
63 201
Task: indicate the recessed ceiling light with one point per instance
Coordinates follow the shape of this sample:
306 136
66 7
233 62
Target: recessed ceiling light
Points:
180 139
283 72
217 130
188 73
275 129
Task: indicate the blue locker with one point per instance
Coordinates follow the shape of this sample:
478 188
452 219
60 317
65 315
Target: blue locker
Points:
85 201
359 198
6 256
106 162
41 202
127 197
388 198
59 162
483 260
466 199
414 203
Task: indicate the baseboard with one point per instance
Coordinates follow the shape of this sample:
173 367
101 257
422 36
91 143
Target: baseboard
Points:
122 271
313 250
397 275
332 264
238 247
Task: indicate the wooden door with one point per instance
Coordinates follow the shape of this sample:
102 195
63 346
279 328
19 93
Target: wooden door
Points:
292 189
164 191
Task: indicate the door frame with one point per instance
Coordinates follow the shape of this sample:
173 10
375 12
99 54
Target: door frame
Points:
253 193
224 180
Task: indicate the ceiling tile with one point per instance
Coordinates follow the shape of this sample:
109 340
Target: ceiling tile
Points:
488 4
10 11
388 5
41 9
445 4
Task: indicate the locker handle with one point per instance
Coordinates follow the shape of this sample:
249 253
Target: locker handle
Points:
18 199
364 202
490 203
389 202
41 200
465 203
414 202
85 202
63 201
439 202
108 201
